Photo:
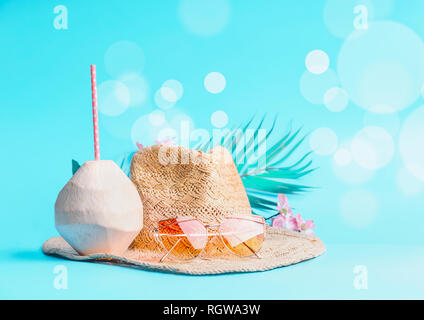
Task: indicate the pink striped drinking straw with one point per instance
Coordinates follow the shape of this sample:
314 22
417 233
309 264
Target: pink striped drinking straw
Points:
95 112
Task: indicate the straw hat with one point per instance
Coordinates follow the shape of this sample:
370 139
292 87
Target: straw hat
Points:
174 181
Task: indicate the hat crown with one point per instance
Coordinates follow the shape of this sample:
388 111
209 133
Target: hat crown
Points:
176 181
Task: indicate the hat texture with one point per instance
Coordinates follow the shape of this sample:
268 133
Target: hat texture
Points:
177 181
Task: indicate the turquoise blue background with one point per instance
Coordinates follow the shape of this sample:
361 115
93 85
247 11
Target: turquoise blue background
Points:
45 119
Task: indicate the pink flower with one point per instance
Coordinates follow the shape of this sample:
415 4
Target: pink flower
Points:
139 145
166 142
283 205
279 221
284 222
304 226
290 222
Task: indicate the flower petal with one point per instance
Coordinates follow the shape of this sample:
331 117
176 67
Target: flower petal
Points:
291 223
278 222
282 199
309 224
298 221
289 211
139 145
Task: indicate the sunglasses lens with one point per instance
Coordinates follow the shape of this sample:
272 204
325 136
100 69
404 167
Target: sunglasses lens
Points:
183 237
243 235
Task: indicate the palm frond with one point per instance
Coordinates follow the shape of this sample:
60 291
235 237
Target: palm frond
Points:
270 173
124 162
75 166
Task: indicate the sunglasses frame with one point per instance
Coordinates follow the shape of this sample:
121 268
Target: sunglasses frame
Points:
209 235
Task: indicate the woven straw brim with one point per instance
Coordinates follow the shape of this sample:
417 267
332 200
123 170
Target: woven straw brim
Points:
280 248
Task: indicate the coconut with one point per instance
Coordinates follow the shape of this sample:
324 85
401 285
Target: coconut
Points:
99 210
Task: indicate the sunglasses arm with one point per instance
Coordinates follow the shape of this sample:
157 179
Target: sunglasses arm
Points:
254 252
251 250
244 243
170 250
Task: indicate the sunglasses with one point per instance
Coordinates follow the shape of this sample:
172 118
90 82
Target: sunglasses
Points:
186 237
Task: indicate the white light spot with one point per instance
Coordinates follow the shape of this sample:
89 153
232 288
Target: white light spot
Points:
336 99
372 148
323 141
182 120
349 171
167 133
137 86
359 208
157 118
206 17
172 90
114 98
411 143
314 86
144 132
343 157
408 184
383 66
161 102
388 121
219 119
183 126
215 82
317 61
124 57
168 94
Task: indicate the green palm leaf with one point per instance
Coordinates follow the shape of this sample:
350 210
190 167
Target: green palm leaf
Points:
264 182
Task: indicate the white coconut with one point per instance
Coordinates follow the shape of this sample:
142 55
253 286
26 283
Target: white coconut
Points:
99 210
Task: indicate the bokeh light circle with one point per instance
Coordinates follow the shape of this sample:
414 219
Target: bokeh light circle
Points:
144 132
124 57
343 157
172 90
314 86
382 66
168 133
120 126
219 119
380 8
161 102
168 94
157 118
182 121
388 121
183 125
113 98
349 171
317 61
373 148
359 208
137 86
323 141
411 143
408 184
336 99
215 82
206 17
